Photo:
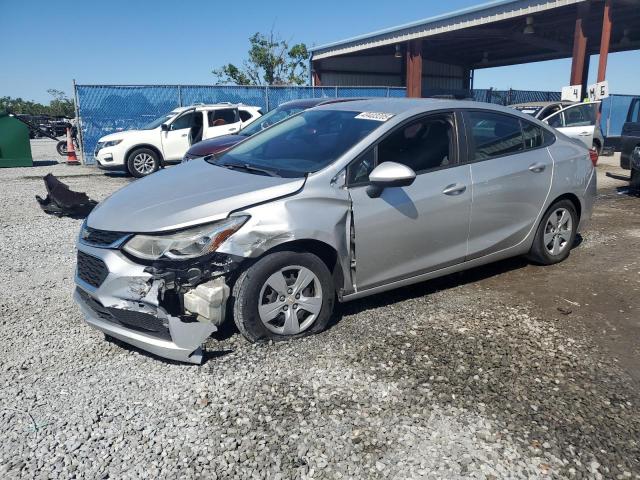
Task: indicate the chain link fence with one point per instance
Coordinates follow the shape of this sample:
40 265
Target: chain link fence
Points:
104 109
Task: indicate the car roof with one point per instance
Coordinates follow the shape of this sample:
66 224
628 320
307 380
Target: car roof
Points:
313 102
542 104
411 106
212 106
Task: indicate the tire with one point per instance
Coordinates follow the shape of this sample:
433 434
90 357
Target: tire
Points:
61 147
291 319
142 162
544 243
634 183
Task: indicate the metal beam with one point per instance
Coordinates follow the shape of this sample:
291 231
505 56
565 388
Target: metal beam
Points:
414 69
580 41
605 40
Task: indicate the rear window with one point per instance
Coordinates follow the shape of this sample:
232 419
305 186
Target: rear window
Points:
494 134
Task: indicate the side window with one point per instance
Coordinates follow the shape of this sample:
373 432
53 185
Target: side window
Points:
494 134
557 121
533 135
223 116
634 111
185 121
580 116
422 145
244 115
358 172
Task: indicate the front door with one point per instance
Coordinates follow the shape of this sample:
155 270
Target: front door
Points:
423 227
577 121
177 140
511 170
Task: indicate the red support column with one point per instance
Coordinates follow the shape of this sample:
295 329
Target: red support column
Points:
605 39
414 69
580 39
316 79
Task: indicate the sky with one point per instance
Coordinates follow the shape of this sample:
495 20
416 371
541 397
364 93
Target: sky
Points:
47 44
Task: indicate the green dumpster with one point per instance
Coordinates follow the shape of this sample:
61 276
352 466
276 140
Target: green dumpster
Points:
15 149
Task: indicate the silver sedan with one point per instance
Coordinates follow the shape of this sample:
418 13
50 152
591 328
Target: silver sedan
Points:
336 203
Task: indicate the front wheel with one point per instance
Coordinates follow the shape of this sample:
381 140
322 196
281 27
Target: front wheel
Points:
556 234
283 295
142 162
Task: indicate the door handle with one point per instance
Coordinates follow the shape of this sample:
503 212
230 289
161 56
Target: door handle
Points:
454 189
183 135
537 167
584 134
232 129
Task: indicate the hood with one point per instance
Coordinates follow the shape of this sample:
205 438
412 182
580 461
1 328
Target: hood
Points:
121 135
214 145
187 194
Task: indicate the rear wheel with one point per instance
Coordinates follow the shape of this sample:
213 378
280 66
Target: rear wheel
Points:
556 234
62 147
634 183
142 162
283 295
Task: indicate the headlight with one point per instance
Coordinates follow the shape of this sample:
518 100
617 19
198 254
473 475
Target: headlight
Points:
191 243
110 143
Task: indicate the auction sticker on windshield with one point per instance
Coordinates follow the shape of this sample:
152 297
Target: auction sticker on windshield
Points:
379 116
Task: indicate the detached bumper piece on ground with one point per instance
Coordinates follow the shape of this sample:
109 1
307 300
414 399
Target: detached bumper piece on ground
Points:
63 202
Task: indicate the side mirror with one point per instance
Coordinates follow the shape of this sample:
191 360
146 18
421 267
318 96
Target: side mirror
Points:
389 174
164 127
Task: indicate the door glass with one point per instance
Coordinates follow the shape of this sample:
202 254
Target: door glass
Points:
244 115
556 121
358 172
580 116
224 116
533 135
422 145
495 134
185 121
634 112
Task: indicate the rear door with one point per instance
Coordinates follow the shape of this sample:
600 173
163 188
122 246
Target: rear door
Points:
416 229
511 171
176 141
222 121
576 121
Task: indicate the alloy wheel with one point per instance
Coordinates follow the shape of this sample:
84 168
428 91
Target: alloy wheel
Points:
290 300
144 163
558 231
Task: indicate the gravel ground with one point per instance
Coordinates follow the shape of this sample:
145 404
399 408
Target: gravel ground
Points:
457 378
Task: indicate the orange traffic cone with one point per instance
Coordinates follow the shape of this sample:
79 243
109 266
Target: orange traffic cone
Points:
72 159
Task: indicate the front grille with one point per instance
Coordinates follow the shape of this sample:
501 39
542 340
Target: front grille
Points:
101 238
139 321
91 269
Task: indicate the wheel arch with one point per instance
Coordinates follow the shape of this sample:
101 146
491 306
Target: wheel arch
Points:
144 145
324 251
573 198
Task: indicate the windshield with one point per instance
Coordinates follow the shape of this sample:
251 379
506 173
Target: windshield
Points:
157 122
271 118
301 144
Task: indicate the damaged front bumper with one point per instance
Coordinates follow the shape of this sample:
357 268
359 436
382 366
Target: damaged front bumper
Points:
127 300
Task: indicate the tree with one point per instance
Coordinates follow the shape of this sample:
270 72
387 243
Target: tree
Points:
271 62
60 105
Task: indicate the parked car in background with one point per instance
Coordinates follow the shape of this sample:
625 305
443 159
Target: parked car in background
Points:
338 202
166 139
225 142
541 110
630 143
576 120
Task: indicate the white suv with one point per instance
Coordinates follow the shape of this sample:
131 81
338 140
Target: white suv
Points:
166 139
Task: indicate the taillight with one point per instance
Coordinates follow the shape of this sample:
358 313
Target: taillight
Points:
593 154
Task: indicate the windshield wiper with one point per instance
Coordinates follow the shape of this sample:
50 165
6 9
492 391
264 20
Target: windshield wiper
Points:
249 168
